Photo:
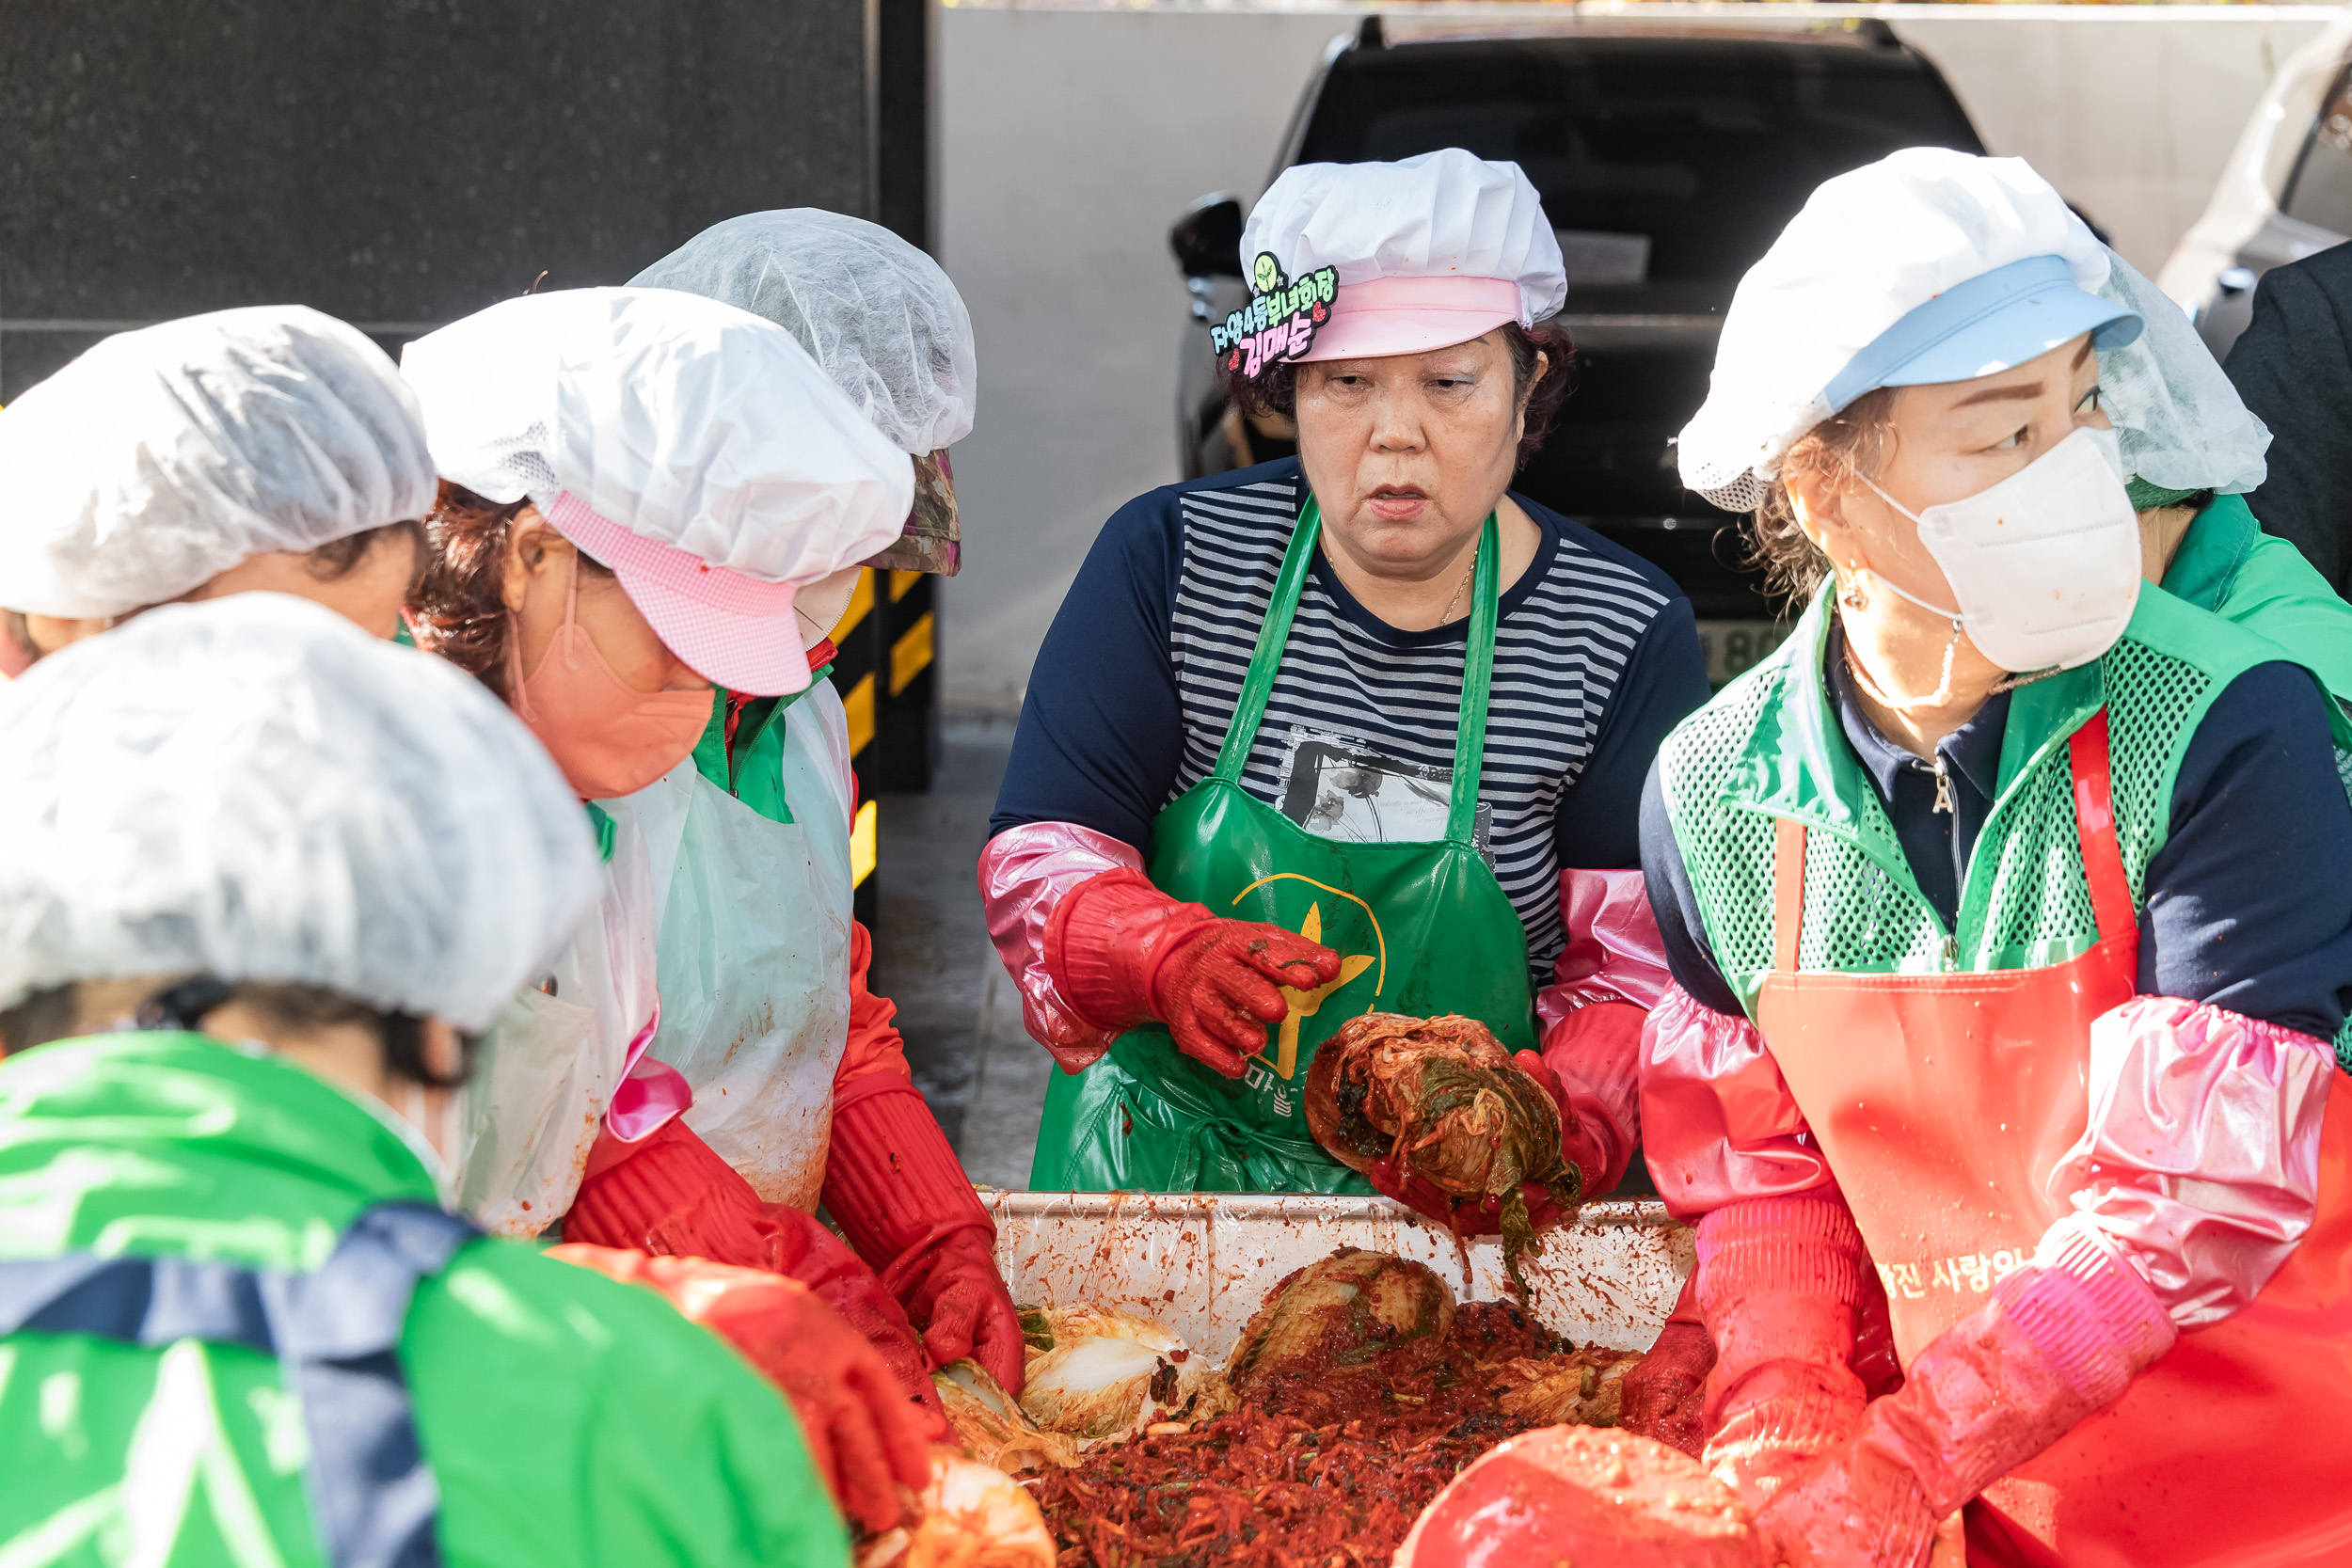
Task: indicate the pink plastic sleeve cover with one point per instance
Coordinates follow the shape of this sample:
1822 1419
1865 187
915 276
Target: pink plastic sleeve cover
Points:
2061 1339
1718 1121
2202 1156
1614 951
1024 873
650 1092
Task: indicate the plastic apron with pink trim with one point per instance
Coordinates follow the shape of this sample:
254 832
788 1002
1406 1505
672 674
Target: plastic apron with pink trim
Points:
712 973
548 1071
1943 1099
752 921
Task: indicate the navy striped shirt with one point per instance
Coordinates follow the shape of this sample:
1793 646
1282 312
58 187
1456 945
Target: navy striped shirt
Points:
1595 658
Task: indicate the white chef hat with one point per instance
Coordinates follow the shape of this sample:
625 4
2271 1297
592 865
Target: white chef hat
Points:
1431 252
165 456
1928 265
253 789
877 314
693 448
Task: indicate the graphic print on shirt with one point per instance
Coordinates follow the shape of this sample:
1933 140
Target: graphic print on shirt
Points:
1561 653
1339 786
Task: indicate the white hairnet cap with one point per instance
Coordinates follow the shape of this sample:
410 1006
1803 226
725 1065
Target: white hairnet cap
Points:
693 448
165 456
1446 214
2181 424
1869 249
253 788
877 314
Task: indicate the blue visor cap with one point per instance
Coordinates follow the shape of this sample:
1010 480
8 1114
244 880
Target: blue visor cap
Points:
1992 323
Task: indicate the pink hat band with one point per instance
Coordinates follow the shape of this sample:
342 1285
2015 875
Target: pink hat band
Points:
729 628
666 566
1383 316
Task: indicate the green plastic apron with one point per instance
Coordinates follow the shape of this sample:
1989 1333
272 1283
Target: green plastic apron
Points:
1420 929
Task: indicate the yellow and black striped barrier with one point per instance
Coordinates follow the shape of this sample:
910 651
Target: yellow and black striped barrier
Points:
888 642
907 722
856 663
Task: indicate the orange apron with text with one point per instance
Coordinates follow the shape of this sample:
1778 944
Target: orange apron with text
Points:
1941 1102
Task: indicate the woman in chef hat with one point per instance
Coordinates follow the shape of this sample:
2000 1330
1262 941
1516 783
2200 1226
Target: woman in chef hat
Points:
637 483
2007 907
885 326
2191 450
1358 729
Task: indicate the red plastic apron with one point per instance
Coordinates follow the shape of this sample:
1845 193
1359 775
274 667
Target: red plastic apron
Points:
1941 1102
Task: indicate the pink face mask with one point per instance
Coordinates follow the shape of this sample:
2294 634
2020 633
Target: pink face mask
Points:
610 738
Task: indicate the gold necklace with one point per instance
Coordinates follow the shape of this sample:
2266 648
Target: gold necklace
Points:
1457 589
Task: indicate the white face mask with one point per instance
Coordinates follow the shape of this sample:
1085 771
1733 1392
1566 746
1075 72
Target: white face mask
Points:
2045 564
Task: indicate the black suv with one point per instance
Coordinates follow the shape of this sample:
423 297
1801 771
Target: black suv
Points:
1669 157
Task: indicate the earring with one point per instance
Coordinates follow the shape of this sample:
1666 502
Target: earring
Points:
1850 591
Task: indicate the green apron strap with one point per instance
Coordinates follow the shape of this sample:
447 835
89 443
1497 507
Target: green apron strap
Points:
1478 663
1274 634
1478 669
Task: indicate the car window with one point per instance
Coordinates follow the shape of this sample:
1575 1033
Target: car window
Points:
1661 161
2320 190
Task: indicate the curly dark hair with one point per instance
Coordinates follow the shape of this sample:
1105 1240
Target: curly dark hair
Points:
1273 390
1854 442
456 609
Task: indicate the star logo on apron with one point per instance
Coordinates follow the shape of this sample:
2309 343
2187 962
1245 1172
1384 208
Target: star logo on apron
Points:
1304 1003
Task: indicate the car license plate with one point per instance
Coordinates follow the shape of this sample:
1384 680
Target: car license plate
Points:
1733 646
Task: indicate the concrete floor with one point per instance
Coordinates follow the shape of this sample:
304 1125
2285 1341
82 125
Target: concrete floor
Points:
982 1074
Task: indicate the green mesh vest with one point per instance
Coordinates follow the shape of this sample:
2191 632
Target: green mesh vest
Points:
1769 746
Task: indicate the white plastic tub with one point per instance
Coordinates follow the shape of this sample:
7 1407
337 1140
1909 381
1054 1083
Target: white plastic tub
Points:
1202 1262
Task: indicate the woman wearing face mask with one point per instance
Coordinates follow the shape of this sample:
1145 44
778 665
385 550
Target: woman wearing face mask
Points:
1379 722
2008 908
2191 451
886 326
262 875
637 482
271 447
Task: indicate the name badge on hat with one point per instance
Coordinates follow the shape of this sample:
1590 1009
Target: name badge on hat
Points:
1280 323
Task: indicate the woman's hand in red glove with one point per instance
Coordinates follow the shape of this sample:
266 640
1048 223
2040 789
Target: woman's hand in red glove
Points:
865 1437
1665 1397
1478 1217
671 1195
952 1292
1220 986
1122 952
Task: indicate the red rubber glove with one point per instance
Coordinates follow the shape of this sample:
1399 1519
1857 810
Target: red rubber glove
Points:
1480 1216
905 1203
1665 1397
1595 1054
2062 1340
862 1434
1779 1279
1875 1361
1123 953
671 1195
951 1288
